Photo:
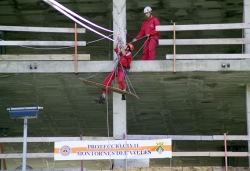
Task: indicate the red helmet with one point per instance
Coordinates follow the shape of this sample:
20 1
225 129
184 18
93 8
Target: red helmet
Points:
131 46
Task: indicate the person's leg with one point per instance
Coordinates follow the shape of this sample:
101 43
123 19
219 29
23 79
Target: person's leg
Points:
145 51
108 81
120 80
152 47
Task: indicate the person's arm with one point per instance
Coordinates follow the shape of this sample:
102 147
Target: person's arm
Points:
116 45
123 51
116 48
157 23
140 34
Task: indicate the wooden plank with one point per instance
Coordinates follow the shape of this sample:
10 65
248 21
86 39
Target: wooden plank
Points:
232 137
45 57
29 155
203 27
130 137
179 168
56 169
41 29
209 154
190 154
117 90
207 56
42 43
173 137
229 154
174 154
51 139
204 41
189 137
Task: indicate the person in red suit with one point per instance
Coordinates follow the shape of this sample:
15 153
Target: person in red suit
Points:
124 54
148 30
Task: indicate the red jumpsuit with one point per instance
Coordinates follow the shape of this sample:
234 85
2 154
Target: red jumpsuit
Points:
119 72
148 27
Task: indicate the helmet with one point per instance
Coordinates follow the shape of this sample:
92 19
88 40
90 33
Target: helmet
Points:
147 9
131 46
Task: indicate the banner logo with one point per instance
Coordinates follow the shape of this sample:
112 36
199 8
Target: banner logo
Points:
65 150
160 149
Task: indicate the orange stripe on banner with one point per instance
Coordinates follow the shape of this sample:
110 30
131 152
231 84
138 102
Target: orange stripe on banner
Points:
151 148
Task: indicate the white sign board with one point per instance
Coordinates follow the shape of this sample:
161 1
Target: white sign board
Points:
115 149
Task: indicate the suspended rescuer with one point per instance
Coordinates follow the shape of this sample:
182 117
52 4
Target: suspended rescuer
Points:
124 54
152 36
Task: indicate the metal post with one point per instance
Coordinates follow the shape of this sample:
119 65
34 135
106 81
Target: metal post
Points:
225 147
119 106
174 47
25 130
126 160
248 116
76 55
246 18
81 160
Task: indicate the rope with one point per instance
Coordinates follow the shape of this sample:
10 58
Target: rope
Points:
140 47
117 8
108 126
113 72
100 70
121 29
128 82
74 14
97 40
77 21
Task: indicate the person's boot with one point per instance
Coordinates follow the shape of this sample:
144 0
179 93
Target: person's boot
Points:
123 97
101 100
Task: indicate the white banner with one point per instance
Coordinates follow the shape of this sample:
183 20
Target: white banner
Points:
115 149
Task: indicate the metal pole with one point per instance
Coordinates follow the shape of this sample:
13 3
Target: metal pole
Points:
248 116
246 19
76 56
174 47
125 161
81 160
225 146
25 130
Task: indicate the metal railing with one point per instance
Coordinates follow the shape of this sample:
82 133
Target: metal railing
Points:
218 41
51 57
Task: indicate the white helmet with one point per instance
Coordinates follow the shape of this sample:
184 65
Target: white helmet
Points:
147 9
